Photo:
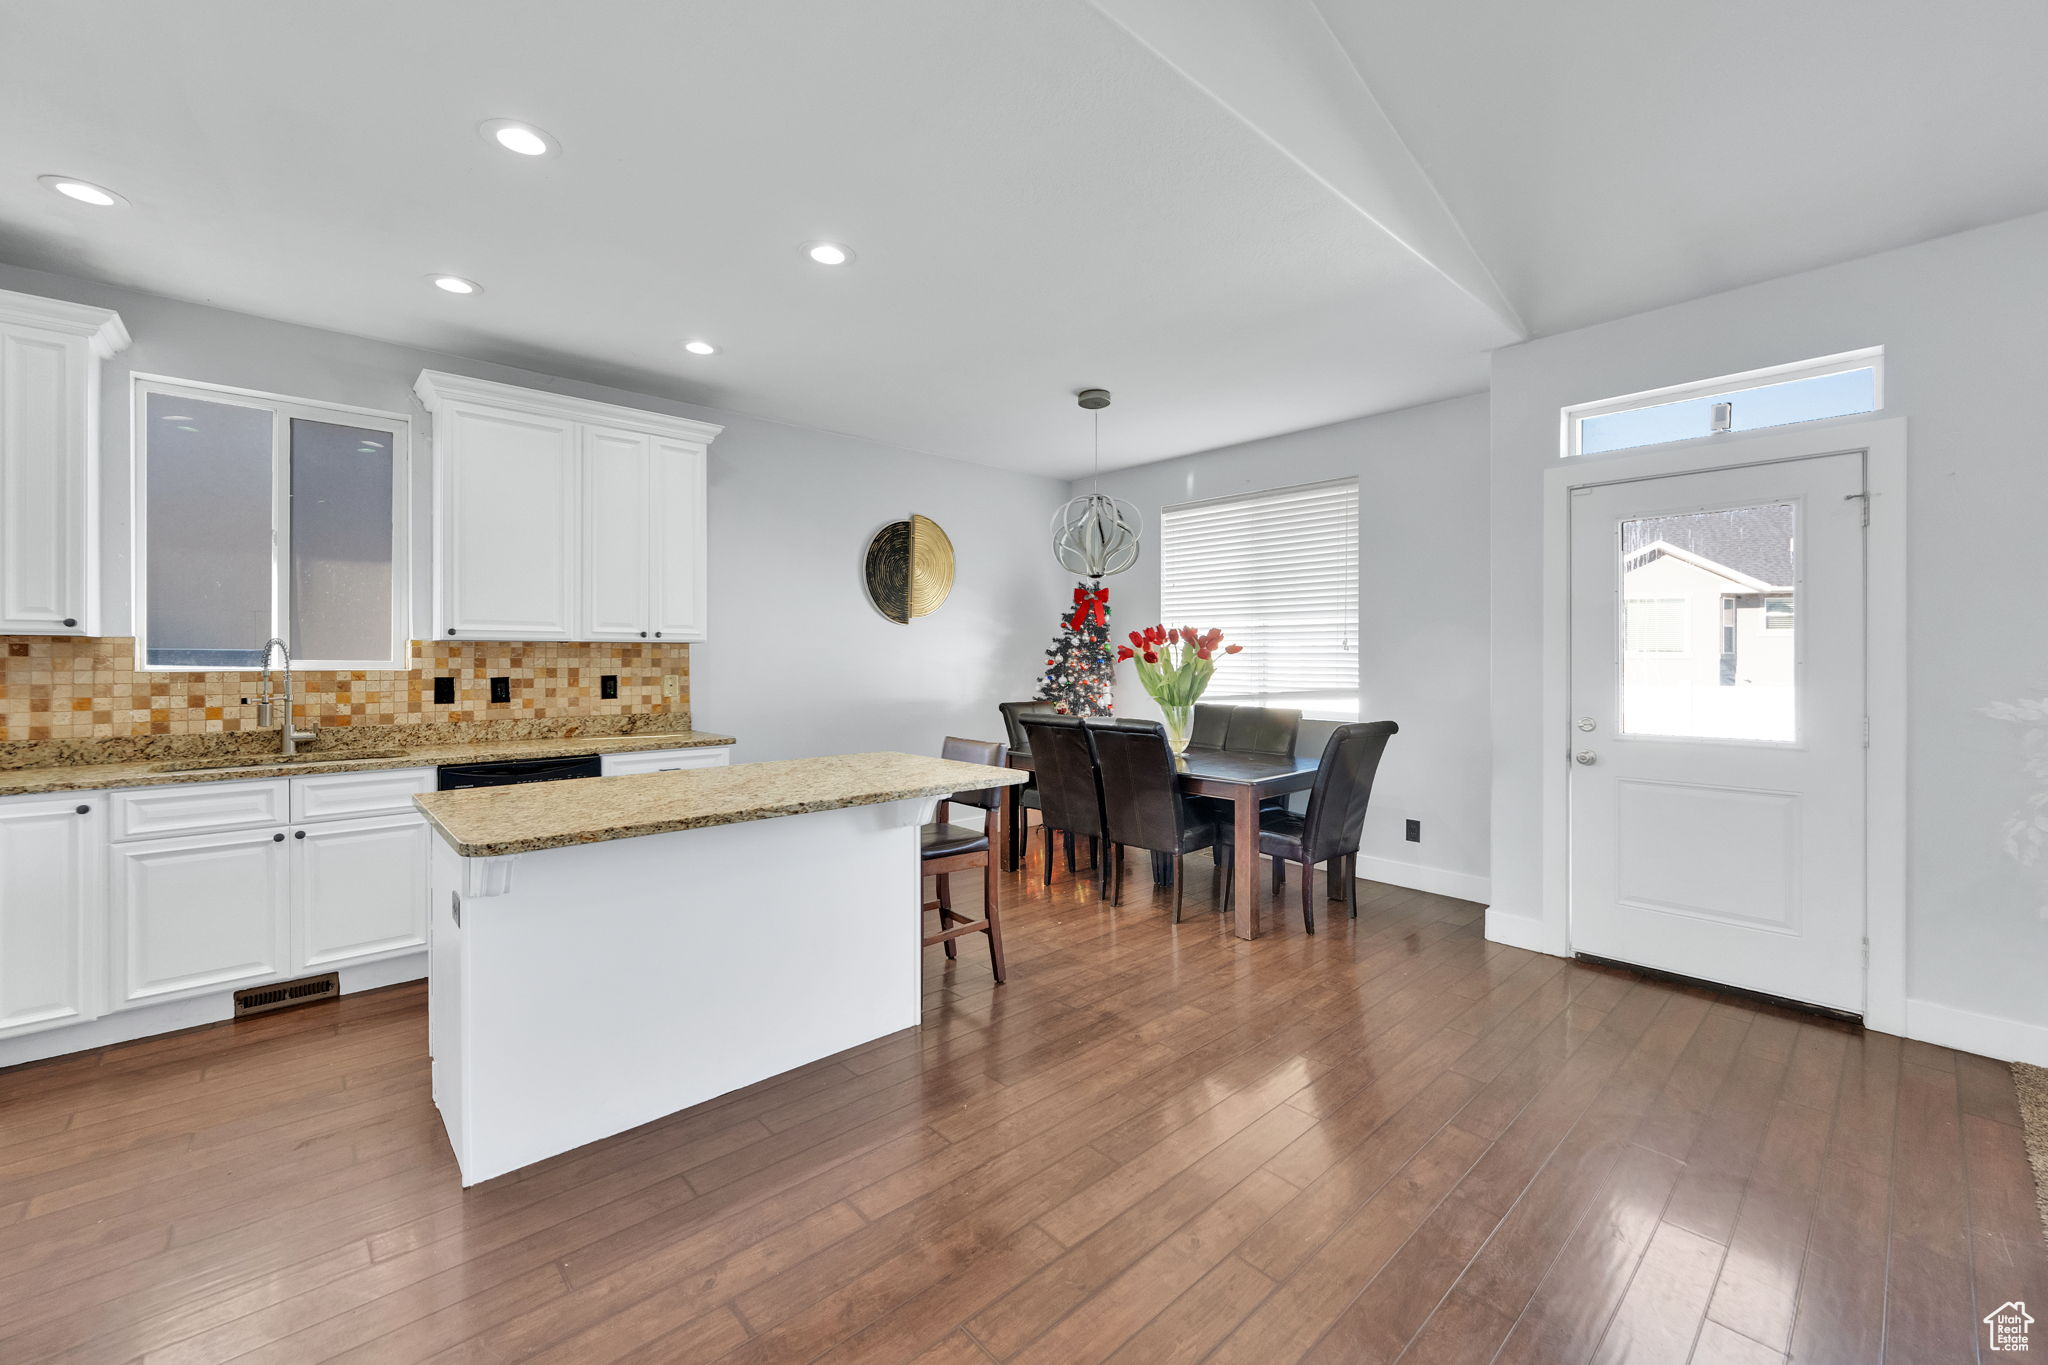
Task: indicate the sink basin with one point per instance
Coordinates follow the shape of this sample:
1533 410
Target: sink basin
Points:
200 765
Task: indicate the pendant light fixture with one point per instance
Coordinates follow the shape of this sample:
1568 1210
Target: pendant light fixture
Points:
1096 535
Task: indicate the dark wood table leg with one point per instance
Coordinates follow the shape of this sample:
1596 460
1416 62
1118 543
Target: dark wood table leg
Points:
1245 851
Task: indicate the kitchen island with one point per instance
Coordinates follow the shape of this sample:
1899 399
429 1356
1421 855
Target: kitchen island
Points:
606 951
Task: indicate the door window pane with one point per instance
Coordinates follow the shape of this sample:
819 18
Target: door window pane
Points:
341 541
1708 640
207 504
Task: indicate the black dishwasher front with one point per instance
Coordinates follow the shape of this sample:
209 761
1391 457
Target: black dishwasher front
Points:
454 776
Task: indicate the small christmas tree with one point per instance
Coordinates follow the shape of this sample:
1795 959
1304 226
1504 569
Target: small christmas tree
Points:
1078 667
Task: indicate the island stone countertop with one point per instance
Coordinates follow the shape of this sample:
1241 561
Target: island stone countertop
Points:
94 776
490 822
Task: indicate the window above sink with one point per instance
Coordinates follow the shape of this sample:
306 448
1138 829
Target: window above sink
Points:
264 516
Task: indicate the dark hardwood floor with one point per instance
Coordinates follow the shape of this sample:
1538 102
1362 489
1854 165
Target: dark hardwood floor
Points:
1390 1141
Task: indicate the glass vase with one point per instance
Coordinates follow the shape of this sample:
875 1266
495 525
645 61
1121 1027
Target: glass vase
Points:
1179 724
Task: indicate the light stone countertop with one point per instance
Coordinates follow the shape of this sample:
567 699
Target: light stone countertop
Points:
490 822
92 777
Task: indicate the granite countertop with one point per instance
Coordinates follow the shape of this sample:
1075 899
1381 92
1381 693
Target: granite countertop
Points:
92 777
489 822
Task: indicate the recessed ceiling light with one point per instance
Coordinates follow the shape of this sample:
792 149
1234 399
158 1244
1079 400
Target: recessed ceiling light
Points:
829 253
700 348
455 284
84 191
180 417
522 138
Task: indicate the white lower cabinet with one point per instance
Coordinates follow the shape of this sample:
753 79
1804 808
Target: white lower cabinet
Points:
50 909
359 889
336 876
200 912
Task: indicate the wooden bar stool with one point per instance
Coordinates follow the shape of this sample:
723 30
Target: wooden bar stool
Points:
947 848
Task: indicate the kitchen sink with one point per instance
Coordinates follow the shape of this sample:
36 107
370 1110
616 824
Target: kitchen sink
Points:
201 765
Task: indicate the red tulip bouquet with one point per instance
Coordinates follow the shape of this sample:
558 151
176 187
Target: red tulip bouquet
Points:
1175 667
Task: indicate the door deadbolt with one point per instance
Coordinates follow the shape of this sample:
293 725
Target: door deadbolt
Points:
1585 757
1588 724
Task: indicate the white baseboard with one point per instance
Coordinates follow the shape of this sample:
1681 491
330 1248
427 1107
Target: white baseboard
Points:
1987 1035
125 1026
1464 886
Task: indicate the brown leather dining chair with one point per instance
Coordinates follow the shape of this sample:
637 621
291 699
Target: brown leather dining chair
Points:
1263 730
1069 792
1329 831
947 848
1026 796
1211 725
1143 807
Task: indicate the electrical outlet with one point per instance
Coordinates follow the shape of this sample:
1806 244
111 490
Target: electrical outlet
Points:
1414 831
608 687
672 685
501 689
444 691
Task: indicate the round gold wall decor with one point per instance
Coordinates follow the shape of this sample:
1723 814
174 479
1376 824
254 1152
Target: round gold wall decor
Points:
909 569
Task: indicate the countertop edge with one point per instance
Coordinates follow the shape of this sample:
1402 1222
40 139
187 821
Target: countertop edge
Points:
506 848
47 781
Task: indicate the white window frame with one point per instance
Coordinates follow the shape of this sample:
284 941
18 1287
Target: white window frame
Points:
1574 417
1357 689
283 408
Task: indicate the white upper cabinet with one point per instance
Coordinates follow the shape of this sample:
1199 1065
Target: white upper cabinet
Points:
562 519
678 493
50 354
508 529
619 517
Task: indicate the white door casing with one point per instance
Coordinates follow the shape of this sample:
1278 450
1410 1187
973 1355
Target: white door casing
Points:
1717 822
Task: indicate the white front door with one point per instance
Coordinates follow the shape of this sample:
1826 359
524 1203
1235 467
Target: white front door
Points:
1717 742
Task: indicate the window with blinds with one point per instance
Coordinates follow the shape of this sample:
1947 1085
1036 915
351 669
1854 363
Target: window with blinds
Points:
1278 572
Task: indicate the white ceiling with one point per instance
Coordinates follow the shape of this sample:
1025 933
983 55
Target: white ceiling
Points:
1196 203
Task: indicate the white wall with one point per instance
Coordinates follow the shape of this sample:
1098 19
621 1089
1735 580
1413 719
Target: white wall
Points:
797 661
1422 557
1964 324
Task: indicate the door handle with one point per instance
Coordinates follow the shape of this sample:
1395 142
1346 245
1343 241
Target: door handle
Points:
1585 758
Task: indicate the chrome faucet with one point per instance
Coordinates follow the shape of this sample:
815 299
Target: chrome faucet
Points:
293 736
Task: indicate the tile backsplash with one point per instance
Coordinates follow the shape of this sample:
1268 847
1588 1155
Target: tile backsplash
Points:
63 687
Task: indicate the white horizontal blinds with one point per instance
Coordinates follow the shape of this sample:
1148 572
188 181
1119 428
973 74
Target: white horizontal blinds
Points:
1278 572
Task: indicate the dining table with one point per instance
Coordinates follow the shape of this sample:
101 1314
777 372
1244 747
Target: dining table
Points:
1243 779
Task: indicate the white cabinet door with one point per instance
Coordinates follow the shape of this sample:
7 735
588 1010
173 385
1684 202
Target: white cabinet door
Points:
617 581
50 907
47 533
198 913
359 889
507 556
679 540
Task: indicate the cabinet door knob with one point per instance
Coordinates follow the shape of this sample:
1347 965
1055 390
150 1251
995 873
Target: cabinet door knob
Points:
657 635
85 810
298 834
451 630
643 634
71 620
277 838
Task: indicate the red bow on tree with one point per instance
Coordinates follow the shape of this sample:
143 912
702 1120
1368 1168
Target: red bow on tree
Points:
1091 606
